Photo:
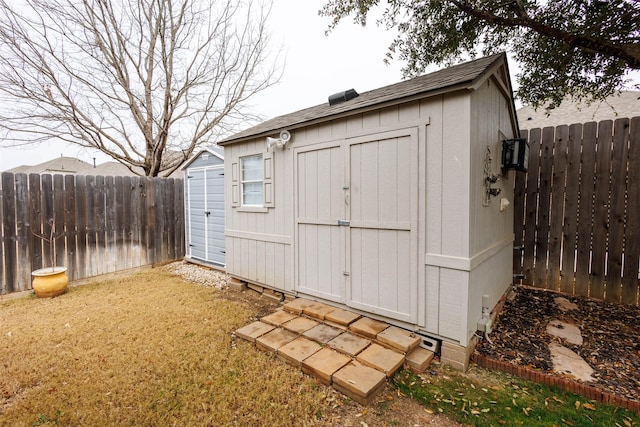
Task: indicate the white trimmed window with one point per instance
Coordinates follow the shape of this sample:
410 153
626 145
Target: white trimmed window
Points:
252 180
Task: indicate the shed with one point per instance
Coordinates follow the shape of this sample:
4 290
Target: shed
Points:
384 203
204 207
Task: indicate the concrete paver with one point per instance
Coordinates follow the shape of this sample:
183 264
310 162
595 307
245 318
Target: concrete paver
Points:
342 317
359 382
419 359
278 318
349 344
379 349
567 331
297 305
567 362
382 359
298 350
323 364
398 339
253 331
275 339
299 324
367 327
318 310
322 333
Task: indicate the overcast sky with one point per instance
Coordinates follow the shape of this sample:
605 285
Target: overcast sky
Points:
317 65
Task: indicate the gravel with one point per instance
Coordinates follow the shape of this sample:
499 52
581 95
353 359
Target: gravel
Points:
202 275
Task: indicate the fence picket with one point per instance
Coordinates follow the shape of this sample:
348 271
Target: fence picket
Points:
9 232
531 212
601 209
71 232
631 274
556 215
617 210
567 280
23 234
584 216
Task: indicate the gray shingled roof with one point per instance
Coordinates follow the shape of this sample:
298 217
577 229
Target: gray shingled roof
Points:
464 74
625 104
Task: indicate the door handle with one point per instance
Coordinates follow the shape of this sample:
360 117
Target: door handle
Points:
344 222
207 213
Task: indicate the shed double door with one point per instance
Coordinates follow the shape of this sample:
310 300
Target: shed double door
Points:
356 223
205 214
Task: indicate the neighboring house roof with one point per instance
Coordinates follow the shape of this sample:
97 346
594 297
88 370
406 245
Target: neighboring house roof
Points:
213 150
623 104
462 76
64 165
111 169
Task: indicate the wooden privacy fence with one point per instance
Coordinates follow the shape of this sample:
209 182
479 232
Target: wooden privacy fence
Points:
107 224
577 210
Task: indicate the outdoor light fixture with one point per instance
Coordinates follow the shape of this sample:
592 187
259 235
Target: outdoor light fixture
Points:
515 154
285 136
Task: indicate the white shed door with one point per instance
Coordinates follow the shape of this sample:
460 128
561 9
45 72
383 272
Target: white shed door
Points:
356 223
320 205
382 240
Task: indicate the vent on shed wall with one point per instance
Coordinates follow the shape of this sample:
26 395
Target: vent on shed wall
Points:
340 97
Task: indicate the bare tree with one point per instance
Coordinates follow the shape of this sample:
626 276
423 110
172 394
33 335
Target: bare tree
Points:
145 81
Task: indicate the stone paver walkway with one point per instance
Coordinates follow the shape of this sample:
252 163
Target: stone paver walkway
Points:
354 354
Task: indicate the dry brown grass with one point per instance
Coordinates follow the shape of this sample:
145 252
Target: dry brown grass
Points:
146 349
151 349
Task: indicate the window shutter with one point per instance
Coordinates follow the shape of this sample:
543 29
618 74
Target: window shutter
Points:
269 196
235 185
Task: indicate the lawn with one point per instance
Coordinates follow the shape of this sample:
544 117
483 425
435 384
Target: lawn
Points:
144 349
152 349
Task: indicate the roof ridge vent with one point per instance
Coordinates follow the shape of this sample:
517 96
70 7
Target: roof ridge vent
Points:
344 96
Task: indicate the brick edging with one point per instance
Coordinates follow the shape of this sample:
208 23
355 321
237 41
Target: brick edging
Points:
563 383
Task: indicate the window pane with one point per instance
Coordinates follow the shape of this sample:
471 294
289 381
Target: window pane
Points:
252 194
252 168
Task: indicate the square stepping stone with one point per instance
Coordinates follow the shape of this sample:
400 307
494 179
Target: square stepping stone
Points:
253 331
298 350
419 359
341 317
349 344
382 359
398 339
322 333
368 327
318 310
275 339
278 318
323 364
297 305
299 325
359 382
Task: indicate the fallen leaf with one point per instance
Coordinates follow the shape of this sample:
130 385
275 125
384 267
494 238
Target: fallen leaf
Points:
577 404
627 422
589 406
567 422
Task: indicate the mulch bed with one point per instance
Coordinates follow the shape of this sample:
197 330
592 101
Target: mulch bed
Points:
610 332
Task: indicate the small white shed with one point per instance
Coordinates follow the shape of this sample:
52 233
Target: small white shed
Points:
385 202
204 207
